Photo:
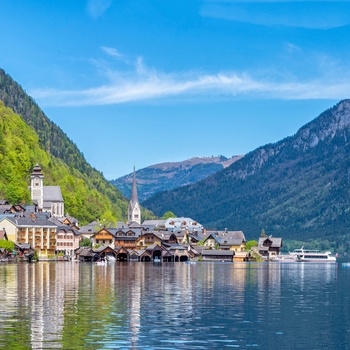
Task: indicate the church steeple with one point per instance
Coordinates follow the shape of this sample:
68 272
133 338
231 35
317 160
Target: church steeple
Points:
37 186
134 211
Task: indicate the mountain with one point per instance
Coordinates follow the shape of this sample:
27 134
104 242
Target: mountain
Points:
298 188
88 195
167 176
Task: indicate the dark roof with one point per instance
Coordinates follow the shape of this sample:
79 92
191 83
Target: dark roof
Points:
68 229
23 221
212 252
52 194
276 242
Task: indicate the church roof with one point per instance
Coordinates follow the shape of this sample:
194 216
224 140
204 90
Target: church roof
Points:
52 194
37 171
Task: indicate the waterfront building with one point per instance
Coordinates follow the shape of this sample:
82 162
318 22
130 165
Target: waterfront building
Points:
39 233
134 209
226 240
269 247
67 240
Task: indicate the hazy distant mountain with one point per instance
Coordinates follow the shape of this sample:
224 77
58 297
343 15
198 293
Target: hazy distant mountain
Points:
166 176
296 188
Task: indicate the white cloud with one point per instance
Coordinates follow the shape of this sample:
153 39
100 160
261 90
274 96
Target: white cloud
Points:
152 85
110 51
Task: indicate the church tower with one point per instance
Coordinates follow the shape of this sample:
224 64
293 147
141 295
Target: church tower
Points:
134 210
37 186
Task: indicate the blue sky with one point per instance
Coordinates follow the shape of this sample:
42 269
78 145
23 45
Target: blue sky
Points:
143 82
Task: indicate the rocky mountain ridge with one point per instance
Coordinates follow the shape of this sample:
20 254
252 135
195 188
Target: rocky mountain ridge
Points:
169 175
298 187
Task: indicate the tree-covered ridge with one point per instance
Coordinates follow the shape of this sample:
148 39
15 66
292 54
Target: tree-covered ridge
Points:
297 188
20 151
55 141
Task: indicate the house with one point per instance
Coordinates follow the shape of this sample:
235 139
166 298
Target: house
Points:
217 255
147 239
179 252
226 240
85 254
118 237
67 240
39 233
104 237
269 247
89 230
110 254
178 224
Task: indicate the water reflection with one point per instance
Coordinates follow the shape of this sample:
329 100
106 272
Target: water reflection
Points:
167 306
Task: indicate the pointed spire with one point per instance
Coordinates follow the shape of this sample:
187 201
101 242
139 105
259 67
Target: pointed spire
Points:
134 197
134 212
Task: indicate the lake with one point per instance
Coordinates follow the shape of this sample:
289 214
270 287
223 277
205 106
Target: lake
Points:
69 305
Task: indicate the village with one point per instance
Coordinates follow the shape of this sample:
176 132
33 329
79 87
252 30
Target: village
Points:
42 232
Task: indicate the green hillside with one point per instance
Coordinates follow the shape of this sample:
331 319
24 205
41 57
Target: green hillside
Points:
20 151
88 195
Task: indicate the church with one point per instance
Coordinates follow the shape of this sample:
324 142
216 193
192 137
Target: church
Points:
47 198
134 210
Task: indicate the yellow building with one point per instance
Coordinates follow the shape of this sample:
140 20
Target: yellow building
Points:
39 233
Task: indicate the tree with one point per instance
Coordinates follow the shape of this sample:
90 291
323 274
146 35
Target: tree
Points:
8 245
250 244
263 234
168 215
85 242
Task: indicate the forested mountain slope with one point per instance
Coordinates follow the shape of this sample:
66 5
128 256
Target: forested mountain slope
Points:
167 176
101 198
297 188
20 150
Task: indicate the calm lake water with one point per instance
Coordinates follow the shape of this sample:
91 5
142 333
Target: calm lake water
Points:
71 305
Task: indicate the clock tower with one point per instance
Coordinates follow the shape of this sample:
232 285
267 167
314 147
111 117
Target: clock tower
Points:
37 186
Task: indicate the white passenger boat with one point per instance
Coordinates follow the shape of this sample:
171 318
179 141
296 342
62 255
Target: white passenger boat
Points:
304 255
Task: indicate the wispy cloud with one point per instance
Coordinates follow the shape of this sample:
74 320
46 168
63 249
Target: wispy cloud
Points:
96 8
302 14
142 83
110 51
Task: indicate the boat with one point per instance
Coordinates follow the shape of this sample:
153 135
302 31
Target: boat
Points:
157 260
101 262
284 259
305 255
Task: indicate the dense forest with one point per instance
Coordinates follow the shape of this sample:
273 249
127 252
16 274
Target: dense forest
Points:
88 195
298 188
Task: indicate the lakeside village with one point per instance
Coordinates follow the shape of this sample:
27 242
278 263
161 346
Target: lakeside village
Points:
42 232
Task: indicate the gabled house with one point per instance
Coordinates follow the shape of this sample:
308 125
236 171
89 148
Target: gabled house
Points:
226 240
67 240
147 239
269 247
105 237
